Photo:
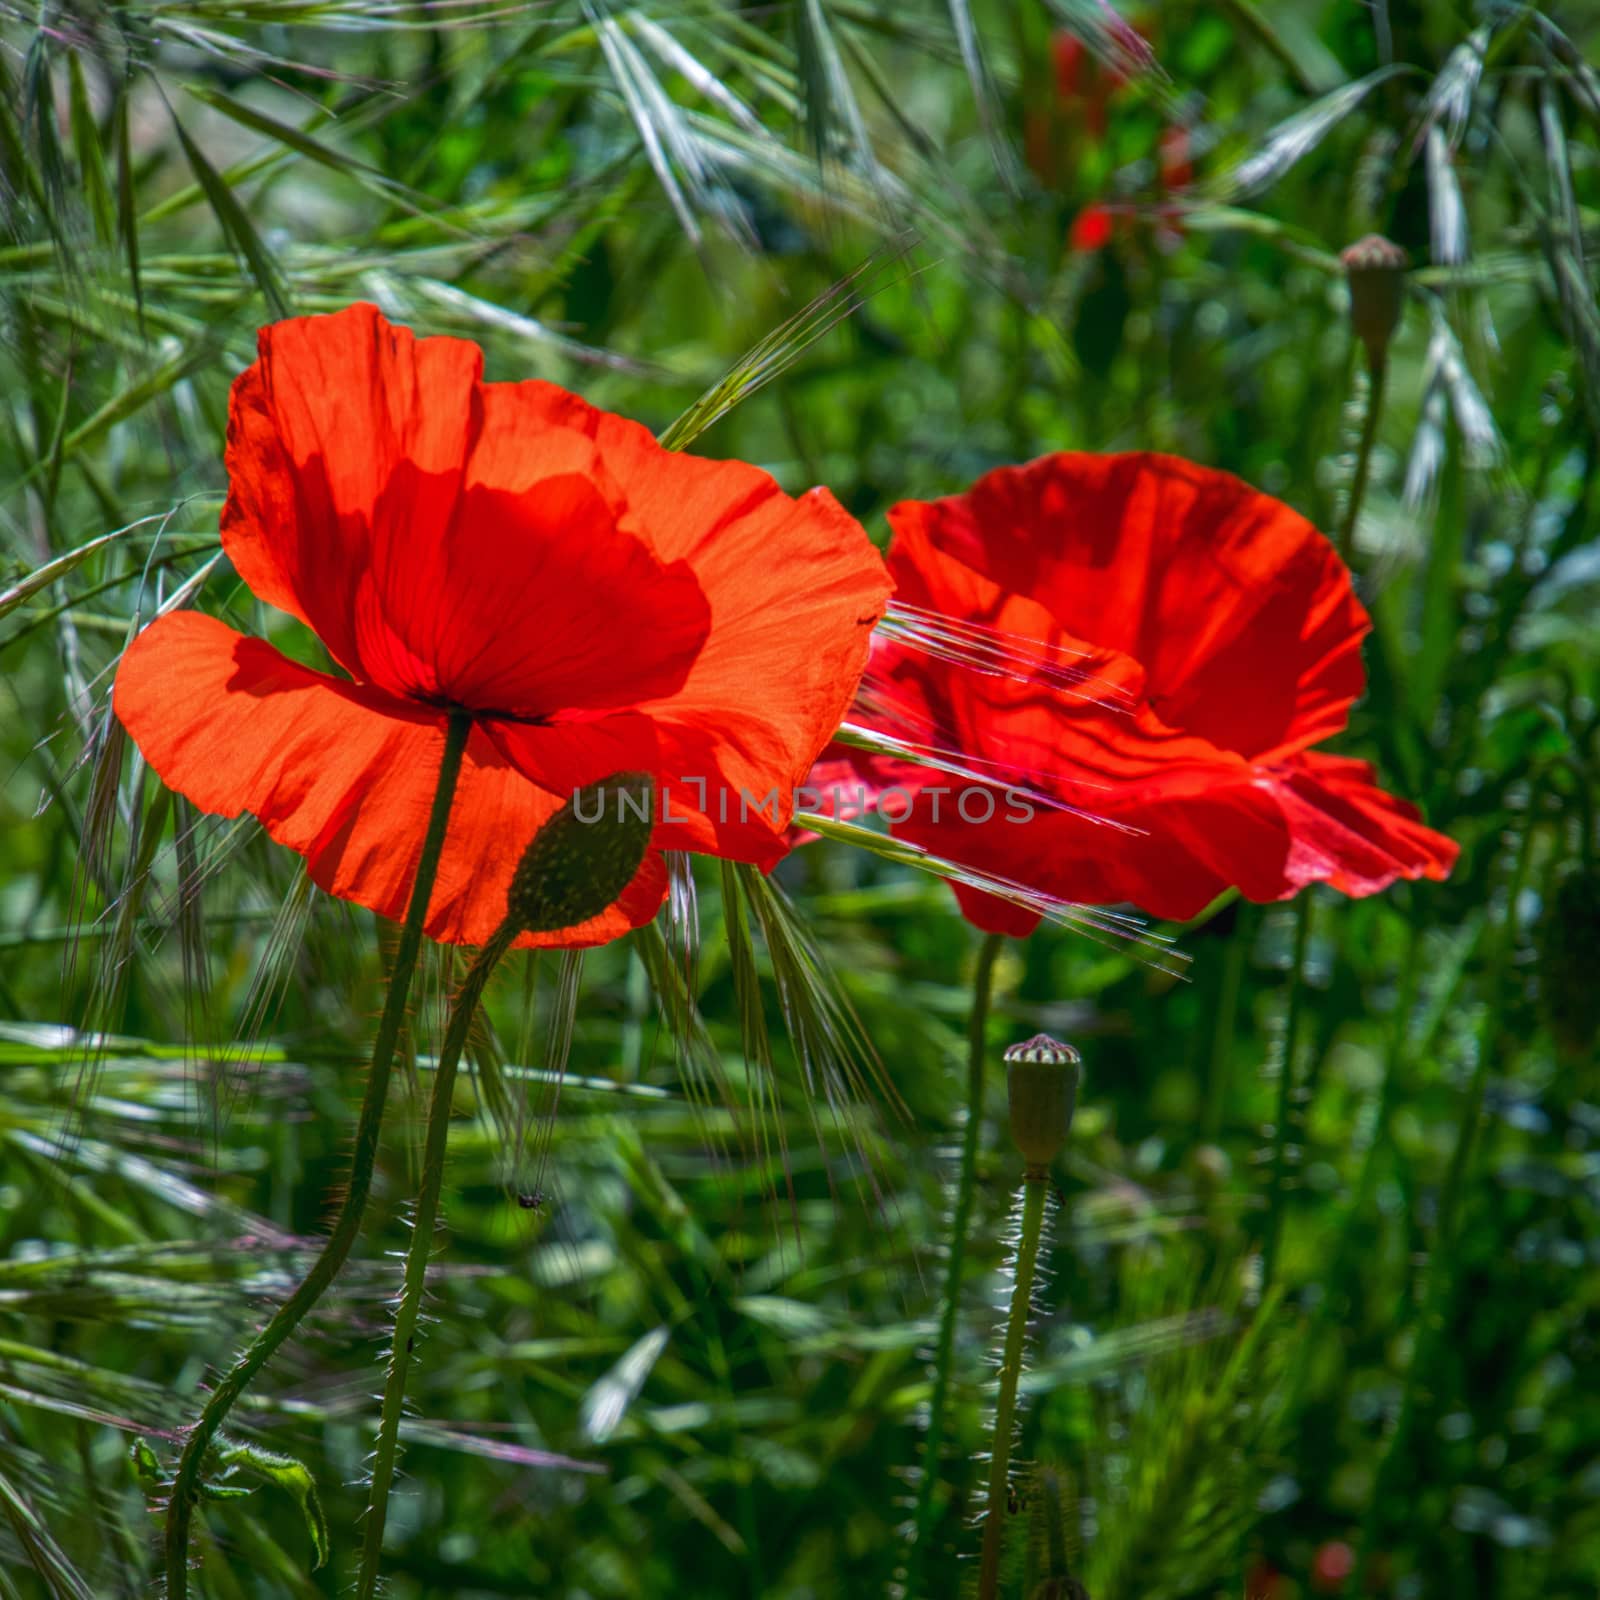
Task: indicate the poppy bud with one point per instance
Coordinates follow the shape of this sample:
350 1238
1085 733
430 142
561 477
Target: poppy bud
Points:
585 855
1042 1086
1376 270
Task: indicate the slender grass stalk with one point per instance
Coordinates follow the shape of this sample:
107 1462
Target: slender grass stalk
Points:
1042 1076
1035 1183
186 1481
462 1011
944 1351
573 868
1439 1274
1286 1084
1377 378
1220 1069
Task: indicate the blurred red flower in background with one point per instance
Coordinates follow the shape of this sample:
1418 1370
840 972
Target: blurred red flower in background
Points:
1184 644
596 603
1332 1566
1076 120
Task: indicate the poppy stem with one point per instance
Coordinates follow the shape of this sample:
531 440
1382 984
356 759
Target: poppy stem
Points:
1286 1088
1377 373
1035 1183
463 1009
966 1184
186 1481
1219 1073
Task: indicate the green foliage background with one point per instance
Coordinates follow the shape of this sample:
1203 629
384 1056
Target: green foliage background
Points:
697 1366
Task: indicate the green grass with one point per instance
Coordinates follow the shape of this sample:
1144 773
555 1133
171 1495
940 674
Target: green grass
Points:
829 237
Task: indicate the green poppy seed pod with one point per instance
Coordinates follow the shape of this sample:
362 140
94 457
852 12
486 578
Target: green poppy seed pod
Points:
1042 1086
1376 270
585 855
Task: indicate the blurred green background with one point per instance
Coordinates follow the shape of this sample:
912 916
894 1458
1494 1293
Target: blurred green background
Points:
857 243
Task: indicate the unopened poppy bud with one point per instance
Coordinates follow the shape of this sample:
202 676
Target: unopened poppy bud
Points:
1376 269
1042 1086
585 855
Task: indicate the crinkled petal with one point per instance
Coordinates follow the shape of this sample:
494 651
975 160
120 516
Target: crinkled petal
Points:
1239 611
446 542
344 775
536 604
1349 833
335 411
794 589
1315 819
1169 858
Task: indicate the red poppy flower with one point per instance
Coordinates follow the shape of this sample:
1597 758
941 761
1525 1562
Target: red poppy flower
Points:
1096 225
596 602
1068 106
1332 1566
1179 644
1092 229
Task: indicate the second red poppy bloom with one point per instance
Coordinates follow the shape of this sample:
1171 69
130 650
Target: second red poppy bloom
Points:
596 603
1179 644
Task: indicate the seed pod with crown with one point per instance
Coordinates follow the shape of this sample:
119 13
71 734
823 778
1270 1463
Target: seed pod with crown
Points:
1376 271
1042 1090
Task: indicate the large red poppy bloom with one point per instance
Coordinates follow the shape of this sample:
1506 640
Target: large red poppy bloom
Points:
1178 643
595 602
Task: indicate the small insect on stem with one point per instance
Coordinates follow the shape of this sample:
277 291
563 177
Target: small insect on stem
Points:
533 1201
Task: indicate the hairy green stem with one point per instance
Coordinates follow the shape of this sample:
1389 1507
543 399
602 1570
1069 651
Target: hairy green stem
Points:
1220 1070
1035 1181
462 1011
1286 1084
966 1184
186 1481
1377 373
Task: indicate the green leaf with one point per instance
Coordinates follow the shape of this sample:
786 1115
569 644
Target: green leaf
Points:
292 1476
607 1402
236 226
39 104
146 1464
92 169
127 203
1297 136
43 577
39 1547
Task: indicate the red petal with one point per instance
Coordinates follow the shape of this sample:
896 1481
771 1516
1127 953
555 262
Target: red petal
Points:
447 543
1069 55
538 604
794 589
318 428
1170 858
1351 834
345 776
1318 819
1073 740
1237 608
